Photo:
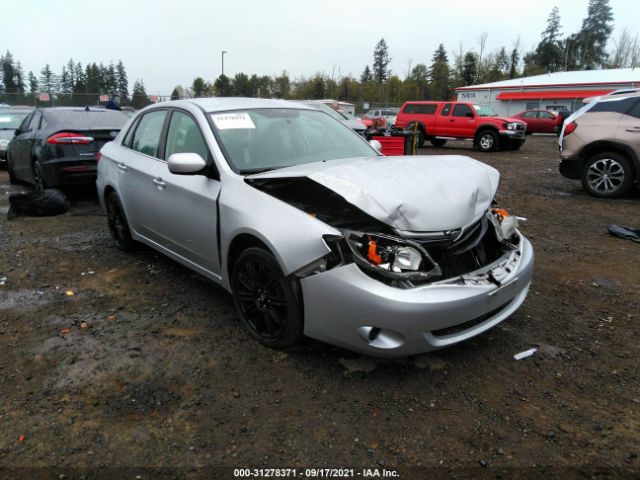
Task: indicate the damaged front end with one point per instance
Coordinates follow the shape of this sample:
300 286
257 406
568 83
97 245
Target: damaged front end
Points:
482 253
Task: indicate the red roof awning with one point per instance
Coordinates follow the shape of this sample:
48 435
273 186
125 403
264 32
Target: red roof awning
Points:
551 94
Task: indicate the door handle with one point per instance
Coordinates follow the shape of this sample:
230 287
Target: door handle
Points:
159 183
452 120
122 167
634 130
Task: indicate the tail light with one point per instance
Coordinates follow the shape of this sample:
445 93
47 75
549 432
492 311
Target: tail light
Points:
98 156
69 138
569 128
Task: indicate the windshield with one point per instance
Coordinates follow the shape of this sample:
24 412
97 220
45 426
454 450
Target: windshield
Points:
11 120
266 139
326 108
484 111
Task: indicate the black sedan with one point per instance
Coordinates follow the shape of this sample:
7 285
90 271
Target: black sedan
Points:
10 119
58 147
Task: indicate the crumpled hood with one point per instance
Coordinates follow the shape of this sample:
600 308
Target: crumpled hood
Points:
411 193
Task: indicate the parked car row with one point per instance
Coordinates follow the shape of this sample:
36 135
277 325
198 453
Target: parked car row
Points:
10 120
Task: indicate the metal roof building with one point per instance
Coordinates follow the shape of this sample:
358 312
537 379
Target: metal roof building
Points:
552 91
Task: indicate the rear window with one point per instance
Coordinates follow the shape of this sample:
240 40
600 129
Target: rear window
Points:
87 120
615 105
421 109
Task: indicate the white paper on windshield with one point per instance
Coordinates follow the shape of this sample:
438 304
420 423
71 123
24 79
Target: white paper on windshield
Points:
5 119
228 121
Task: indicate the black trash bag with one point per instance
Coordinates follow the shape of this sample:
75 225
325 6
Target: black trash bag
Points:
47 203
625 232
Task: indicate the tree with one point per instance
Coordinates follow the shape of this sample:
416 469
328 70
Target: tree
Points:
419 79
366 76
319 87
122 82
199 87
549 53
439 74
33 87
8 74
223 87
514 60
139 98
594 35
470 68
175 95
381 61
282 86
626 51
19 81
48 80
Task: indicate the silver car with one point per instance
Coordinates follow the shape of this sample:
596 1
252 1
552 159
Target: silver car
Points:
312 231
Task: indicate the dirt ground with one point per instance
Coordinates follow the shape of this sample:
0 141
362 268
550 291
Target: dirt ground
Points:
112 360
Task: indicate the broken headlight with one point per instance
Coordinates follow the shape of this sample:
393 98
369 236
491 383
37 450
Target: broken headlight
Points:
391 256
504 224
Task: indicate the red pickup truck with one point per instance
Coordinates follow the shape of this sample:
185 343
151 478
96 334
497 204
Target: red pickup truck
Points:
441 121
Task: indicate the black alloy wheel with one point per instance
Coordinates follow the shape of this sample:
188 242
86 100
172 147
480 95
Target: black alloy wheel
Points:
118 225
265 299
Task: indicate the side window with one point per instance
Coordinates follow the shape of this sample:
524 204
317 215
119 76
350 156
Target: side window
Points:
184 137
146 138
615 106
127 138
635 110
530 115
546 115
446 110
462 110
35 122
24 126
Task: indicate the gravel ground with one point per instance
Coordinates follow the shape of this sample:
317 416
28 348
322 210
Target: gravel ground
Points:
123 360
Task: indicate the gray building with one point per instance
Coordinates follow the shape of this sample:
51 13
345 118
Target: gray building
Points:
552 91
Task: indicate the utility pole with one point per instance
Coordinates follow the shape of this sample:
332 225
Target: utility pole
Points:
222 76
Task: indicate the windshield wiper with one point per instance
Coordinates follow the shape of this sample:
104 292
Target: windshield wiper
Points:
250 171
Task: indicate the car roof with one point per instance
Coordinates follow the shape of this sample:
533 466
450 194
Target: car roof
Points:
217 104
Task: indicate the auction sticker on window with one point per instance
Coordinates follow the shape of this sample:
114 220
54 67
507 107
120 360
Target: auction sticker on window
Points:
228 121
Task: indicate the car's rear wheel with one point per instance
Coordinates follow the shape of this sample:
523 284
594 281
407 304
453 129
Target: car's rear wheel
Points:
607 175
118 225
266 300
438 142
487 141
39 182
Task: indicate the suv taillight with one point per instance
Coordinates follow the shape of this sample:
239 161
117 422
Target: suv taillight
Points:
570 127
69 138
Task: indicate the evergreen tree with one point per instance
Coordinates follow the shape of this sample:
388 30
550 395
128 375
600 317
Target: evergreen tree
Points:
122 83
381 61
110 81
594 35
241 85
139 98
366 76
33 87
281 86
175 95
223 86
439 75
549 54
514 60
8 74
48 80
319 87
199 87
19 81
419 79
502 62
470 69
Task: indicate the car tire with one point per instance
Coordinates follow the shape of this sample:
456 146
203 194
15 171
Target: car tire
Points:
13 180
39 183
487 141
266 300
607 175
438 142
118 224
419 134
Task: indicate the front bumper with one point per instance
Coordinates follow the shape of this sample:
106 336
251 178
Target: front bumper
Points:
346 307
513 134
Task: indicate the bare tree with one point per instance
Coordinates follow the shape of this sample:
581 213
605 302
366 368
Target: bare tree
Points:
626 51
482 42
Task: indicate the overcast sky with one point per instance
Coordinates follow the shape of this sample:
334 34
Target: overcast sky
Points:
170 42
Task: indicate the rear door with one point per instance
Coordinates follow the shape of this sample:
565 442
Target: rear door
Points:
186 205
21 153
629 127
139 167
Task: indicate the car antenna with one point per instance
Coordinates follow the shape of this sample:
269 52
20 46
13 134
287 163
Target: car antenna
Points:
86 108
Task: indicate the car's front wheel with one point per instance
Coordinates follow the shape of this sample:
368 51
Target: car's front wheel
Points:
266 300
607 175
487 141
118 225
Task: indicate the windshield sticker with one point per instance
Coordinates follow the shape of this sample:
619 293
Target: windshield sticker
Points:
228 121
5 119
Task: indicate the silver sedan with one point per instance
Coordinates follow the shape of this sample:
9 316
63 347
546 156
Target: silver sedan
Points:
314 232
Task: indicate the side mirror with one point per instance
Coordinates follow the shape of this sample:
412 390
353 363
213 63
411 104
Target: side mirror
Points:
17 132
469 114
376 145
186 163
